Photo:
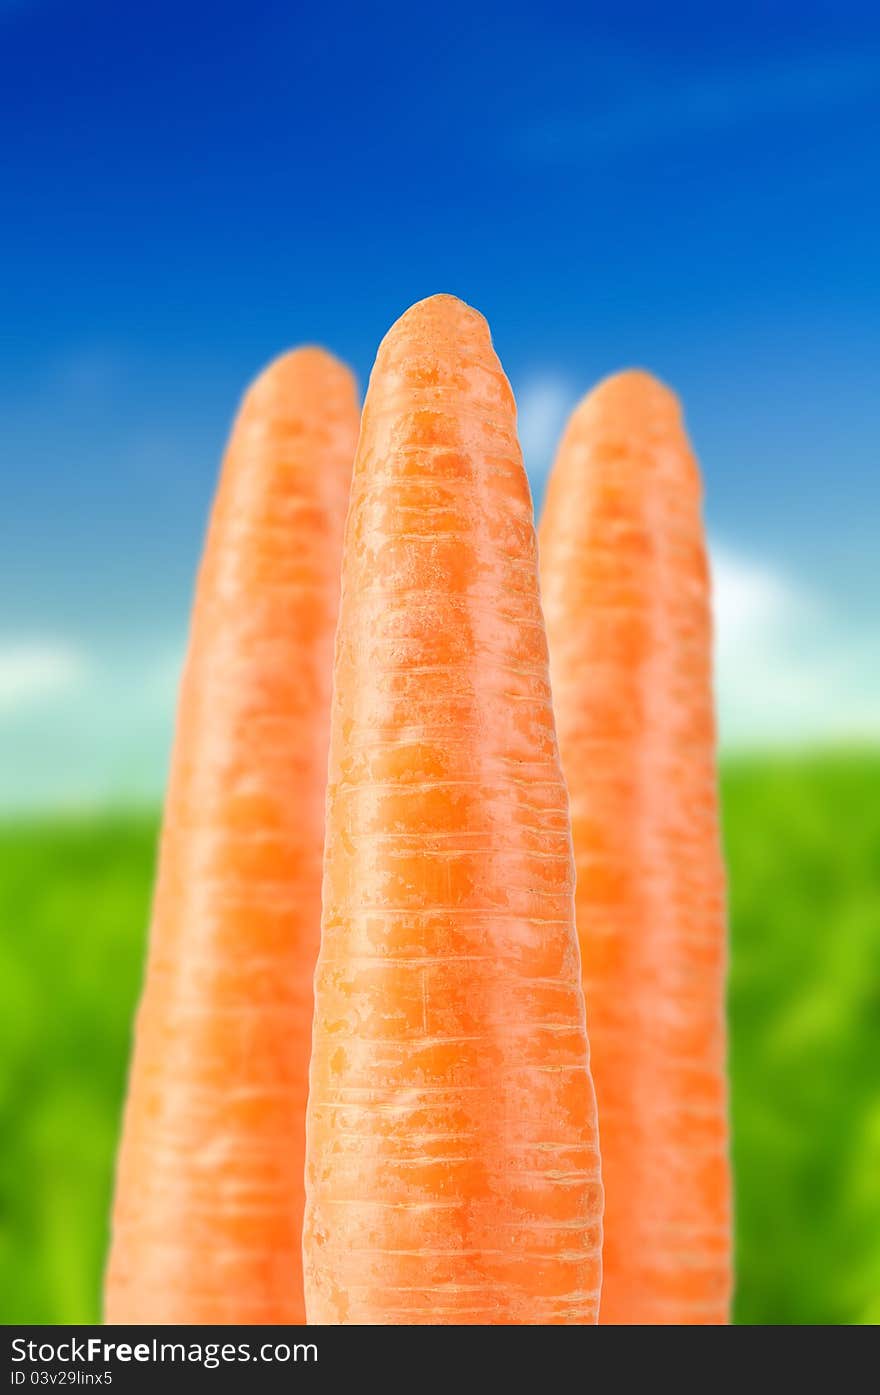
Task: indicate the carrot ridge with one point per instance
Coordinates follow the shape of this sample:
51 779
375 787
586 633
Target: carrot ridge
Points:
626 590
209 1194
452 1160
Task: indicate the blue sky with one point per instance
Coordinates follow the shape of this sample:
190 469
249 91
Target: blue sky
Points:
191 188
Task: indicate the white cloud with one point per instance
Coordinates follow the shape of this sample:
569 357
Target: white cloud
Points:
85 729
544 404
790 669
163 680
32 671
650 111
750 595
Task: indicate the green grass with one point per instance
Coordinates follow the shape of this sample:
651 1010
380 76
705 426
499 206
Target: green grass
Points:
73 906
803 839
803 842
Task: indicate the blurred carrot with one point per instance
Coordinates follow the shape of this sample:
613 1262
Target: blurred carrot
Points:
209 1198
626 596
452 1167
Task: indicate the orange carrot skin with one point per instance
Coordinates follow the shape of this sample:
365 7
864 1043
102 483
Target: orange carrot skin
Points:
452 1162
626 595
208 1211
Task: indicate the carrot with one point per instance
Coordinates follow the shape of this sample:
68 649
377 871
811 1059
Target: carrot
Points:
208 1212
626 595
452 1167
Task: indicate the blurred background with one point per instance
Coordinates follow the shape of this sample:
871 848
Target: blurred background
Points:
190 189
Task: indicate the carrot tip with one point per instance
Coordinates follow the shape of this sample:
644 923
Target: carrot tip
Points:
633 397
441 342
308 374
440 320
